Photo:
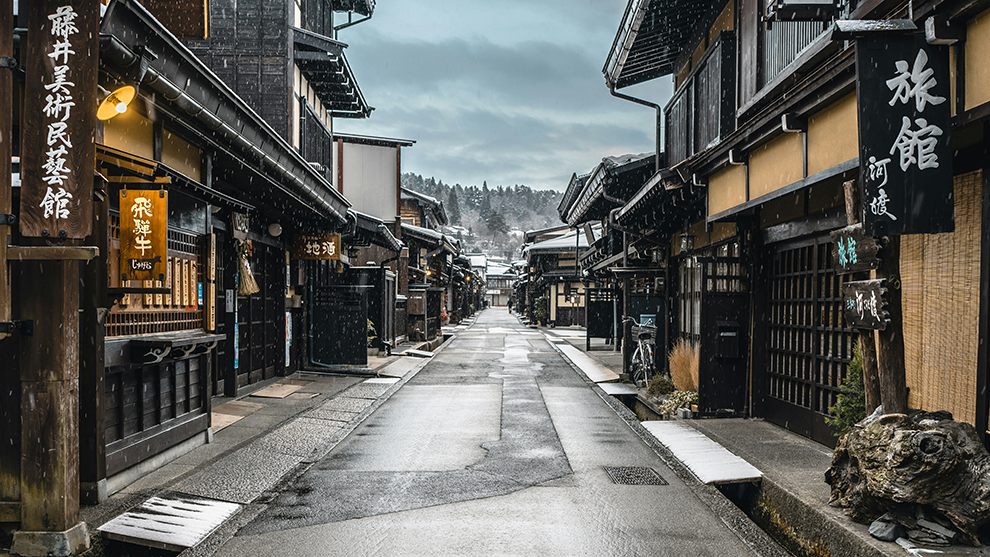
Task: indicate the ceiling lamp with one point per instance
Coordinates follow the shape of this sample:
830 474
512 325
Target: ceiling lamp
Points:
116 103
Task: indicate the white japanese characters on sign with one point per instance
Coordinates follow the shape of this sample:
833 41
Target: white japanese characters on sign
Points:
58 106
320 248
141 213
917 140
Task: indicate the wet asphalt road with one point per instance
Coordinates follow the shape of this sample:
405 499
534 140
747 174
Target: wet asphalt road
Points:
496 447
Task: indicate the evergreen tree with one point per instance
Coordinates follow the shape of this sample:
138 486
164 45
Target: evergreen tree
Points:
485 207
453 207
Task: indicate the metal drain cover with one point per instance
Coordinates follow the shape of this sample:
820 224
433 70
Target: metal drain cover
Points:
634 475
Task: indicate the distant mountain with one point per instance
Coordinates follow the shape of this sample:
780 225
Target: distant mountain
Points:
491 220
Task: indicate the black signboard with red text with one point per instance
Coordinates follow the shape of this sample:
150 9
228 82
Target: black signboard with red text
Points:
905 156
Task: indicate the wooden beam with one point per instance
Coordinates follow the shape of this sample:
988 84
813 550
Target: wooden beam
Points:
10 511
6 114
51 253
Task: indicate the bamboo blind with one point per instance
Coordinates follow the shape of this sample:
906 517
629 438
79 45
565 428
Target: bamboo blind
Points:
940 274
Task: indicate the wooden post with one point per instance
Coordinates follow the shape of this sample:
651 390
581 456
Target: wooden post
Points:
55 202
893 384
10 398
627 345
49 295
6 114
867 344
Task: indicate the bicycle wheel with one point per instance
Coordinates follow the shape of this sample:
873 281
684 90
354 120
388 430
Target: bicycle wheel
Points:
649 364
637 365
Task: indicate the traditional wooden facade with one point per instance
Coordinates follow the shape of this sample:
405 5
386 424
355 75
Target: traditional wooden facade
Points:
762 133
218 309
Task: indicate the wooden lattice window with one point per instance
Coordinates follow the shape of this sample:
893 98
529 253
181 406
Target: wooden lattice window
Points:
181 310
809 344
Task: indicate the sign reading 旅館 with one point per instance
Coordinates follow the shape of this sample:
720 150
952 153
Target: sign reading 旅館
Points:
853 251
905 155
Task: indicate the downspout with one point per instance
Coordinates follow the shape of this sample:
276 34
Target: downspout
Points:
655 106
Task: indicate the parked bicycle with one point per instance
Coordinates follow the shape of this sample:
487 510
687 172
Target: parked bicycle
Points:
643 365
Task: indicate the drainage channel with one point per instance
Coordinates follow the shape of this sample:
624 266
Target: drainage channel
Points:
750 497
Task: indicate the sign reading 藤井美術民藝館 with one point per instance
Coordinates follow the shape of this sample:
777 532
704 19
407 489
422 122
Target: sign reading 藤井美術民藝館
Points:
57 152
905 155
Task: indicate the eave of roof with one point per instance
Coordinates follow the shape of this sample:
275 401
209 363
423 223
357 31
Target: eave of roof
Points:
614 176
375 230
132 25
650 38
322 61
373 140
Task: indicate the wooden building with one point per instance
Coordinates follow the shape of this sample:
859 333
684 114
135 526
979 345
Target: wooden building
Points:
761 135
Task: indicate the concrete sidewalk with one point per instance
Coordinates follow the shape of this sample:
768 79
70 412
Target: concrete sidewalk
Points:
793 496
271 434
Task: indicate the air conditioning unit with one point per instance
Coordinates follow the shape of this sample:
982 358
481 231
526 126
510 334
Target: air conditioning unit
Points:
801 10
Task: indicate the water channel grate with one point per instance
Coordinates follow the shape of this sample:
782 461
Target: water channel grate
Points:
634 475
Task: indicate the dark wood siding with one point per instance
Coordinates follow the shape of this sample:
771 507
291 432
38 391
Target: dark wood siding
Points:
748 25
248 49
146 403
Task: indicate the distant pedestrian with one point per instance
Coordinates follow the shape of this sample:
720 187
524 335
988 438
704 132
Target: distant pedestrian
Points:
510 305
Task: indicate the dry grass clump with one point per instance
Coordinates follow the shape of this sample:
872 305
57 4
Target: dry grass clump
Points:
684 360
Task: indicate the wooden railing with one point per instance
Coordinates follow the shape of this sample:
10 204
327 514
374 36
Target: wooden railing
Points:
702 111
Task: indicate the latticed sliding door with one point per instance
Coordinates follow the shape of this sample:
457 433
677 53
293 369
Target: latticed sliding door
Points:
807 342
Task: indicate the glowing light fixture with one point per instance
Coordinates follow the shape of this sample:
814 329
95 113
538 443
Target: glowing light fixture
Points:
116 103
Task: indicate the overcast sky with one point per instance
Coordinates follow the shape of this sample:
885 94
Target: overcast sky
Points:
510 92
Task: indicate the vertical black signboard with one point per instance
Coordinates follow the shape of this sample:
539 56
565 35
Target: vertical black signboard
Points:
905 157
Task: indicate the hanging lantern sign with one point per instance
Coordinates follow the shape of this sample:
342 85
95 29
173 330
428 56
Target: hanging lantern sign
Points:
143 234
905 153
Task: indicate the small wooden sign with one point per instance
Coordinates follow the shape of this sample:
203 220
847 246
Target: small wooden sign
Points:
143 234
864 303
319 246
211 306
853 251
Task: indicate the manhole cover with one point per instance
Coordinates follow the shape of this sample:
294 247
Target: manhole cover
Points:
635 475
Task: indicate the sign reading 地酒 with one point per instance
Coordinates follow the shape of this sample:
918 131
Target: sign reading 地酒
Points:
905 156
325 246
57 155
143 234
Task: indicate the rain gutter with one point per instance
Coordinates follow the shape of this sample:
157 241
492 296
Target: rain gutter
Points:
655 106
287 164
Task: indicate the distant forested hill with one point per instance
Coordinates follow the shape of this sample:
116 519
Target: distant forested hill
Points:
493 216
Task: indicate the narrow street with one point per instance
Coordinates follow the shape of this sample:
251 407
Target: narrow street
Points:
496 447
